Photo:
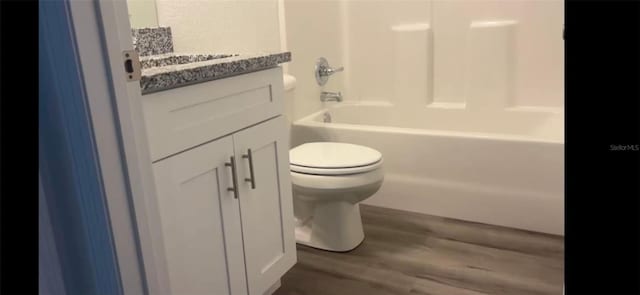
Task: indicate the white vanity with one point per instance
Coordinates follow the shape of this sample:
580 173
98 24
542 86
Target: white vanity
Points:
220 153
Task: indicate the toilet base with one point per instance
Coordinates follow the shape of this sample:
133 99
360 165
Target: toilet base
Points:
332 226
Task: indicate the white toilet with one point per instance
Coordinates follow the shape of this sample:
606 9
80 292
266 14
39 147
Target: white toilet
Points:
329 180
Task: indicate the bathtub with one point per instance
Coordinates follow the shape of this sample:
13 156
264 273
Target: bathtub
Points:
497 167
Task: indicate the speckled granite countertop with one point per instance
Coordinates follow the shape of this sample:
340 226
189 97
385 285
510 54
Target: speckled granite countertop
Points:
166 71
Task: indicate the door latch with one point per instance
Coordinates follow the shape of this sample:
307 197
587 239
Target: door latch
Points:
131 65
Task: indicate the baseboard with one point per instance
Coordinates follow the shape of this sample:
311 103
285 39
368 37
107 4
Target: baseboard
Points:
516 208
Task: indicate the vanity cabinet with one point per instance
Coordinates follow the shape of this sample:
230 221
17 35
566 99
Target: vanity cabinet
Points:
225 202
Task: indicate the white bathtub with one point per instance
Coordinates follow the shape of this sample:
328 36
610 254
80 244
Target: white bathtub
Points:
504 168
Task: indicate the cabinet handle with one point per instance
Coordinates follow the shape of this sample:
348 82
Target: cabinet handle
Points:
233 189
253 178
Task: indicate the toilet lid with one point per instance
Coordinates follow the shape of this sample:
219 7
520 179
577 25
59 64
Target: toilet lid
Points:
333 155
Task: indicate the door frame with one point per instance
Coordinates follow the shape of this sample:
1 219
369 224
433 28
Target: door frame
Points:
102 32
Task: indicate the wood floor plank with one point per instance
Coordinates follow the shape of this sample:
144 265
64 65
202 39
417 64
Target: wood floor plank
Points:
410 253
433 287
434 265
445 251
359 270
304 281
465 231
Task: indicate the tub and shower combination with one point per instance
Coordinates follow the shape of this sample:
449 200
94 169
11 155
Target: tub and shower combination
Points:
504 167
449 102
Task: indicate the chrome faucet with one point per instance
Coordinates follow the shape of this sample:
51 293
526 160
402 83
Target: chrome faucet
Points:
330 96
323 70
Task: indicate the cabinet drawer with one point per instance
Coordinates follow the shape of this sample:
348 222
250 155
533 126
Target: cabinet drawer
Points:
181 118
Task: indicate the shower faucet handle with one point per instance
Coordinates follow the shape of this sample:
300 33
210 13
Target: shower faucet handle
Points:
323 70
330 71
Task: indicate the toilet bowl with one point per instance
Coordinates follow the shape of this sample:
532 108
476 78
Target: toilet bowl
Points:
329 180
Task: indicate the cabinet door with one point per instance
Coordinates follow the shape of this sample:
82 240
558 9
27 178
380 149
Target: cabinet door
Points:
201 221
267 209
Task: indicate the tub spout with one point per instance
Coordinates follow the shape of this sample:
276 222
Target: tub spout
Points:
330 96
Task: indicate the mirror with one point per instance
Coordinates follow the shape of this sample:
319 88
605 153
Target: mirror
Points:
142 13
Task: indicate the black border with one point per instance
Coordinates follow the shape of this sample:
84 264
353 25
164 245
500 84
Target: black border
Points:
19 147
602 185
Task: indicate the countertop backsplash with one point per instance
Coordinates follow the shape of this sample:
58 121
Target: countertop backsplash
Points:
152 41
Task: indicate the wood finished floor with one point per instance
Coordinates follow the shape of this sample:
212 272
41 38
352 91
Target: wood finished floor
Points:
410 253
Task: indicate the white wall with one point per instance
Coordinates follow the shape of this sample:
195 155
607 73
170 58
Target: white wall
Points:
313 30
142 13
221 26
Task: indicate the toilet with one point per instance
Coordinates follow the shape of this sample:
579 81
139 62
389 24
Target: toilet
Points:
329 180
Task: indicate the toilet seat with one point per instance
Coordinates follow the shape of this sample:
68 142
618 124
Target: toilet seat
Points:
333 158
335 171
